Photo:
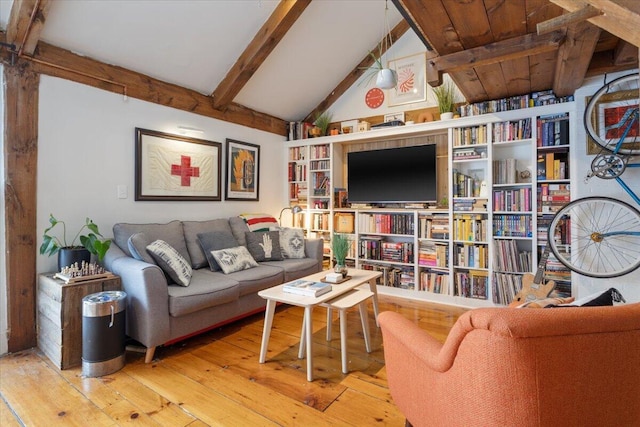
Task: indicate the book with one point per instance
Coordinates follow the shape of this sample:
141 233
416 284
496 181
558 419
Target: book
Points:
307 288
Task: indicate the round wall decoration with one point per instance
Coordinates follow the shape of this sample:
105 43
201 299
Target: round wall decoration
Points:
374 97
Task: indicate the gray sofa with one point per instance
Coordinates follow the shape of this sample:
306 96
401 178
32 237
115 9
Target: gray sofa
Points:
159 312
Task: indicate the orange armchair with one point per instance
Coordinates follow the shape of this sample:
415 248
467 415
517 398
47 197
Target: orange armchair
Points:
574 366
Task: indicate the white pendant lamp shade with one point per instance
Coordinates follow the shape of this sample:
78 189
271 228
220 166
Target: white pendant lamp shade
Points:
386 79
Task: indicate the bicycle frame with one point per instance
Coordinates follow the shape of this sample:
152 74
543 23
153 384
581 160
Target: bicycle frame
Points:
630 117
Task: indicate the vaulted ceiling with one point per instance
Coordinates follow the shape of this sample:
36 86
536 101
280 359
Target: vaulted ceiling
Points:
262 63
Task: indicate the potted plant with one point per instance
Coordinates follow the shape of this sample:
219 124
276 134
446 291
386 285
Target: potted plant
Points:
68 253
322 122
340 247
445 96
386 78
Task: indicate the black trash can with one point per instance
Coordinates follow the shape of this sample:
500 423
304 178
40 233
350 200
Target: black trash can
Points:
103 333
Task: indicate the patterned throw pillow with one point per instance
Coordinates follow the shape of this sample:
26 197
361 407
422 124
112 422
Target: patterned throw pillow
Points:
171 262
264 246
259 222
234 259
292 242
213 241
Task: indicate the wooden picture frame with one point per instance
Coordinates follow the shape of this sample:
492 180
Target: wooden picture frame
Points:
176 168
412 80
243 171
611 105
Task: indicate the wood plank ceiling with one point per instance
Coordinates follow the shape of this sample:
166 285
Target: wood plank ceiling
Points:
490 48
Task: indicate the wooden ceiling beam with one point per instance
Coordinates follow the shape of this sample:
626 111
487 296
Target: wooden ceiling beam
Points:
565 20
625 53
58 62
265 40
574 57
621 17
517 47
359 70
25 25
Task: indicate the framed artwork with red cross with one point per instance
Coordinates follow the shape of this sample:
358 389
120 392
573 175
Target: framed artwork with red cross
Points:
177 168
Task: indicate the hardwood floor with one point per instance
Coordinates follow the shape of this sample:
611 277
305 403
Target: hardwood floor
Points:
215 378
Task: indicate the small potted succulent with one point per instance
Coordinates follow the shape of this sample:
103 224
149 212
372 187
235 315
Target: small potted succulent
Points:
92 242
340 248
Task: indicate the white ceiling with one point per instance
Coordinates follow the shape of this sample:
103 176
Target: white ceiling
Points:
194 43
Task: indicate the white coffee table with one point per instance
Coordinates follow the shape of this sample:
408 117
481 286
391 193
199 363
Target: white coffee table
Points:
275 295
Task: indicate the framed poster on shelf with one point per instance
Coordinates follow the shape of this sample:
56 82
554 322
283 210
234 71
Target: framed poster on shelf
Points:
243 171
176 168
412 83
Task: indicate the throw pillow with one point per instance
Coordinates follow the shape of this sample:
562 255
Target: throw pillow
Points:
171 262
234 259
213 241
264 246
292 242
259 222
137 244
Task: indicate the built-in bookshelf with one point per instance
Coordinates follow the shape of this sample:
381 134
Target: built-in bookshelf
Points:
476 250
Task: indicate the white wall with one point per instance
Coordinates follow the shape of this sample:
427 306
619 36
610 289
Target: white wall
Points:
628 285
3 270
86 148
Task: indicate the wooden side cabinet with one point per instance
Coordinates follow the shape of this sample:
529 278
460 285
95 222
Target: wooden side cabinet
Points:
60 316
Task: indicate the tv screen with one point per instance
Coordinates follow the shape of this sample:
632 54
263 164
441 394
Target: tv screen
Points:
395 175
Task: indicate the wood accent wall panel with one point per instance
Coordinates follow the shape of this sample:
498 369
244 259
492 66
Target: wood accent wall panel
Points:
20 182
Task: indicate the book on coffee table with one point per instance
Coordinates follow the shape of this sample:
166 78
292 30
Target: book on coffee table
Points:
307 288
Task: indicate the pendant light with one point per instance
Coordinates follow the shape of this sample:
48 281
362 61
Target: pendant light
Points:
386 77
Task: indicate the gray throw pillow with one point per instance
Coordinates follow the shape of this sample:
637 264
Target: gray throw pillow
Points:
292 242
171 262
234 259
264 245
137 244
213 241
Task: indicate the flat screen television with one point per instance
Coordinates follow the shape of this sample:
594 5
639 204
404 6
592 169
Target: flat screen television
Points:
394 175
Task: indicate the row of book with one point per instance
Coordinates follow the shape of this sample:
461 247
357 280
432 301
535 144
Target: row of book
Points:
297 172
320 221
512 200
298 191
297 153
508 258
553 130
505 287
552 165
470 204
433 227
386 223
433 254
470 228
552 197
471 284
298 130
512 226
513 130
374 248
470 135
320 165
469 153
504 171
321 184
533 99
435 281
393 276
465 185
474 256
320 151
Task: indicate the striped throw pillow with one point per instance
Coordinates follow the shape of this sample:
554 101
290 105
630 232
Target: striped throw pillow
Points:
259 222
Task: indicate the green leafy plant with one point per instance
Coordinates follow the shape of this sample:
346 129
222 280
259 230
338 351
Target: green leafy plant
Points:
340 247
93 241
445 96
323 121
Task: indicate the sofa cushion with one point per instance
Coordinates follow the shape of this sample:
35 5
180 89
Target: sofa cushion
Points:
170 232
171 262
191 231
259 221
295 268
213 241
264 245
292 242
258 278
137 245
239 228
207 289
234 259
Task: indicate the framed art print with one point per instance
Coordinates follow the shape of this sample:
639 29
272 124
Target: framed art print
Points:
610 108
176 168
412 86
243 171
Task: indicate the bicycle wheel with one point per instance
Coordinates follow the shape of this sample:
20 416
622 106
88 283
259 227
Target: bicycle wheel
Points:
611 115
596 237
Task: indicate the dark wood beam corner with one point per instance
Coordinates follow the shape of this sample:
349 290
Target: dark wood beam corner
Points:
574 57
266 39
562 21
504 50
